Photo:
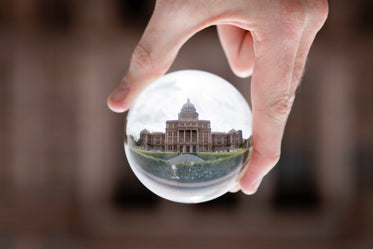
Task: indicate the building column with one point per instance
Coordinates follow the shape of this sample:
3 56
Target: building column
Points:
197 139
165 142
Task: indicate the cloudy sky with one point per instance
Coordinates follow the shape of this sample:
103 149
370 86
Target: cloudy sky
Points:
214 98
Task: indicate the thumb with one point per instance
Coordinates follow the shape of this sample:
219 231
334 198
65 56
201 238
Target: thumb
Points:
164 35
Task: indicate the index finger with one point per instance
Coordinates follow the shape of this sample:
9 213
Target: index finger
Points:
168 29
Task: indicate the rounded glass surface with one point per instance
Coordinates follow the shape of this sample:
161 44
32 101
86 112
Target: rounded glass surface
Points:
188 135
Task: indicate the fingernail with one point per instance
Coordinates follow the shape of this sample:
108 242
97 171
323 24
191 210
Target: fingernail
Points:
253 187
235 188
119 93
256 184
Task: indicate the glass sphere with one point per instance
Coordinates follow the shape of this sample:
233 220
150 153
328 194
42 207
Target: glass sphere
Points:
188 135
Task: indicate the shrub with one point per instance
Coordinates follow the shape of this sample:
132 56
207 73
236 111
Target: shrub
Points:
209 170
206 156
155 166
156 154
218 165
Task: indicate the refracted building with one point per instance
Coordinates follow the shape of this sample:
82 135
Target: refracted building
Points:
189 134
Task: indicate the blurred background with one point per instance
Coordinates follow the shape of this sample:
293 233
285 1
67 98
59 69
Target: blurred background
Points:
64 178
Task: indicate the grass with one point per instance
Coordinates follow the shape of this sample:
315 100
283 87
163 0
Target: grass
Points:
215 164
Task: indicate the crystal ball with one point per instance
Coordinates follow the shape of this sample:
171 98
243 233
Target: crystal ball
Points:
188 135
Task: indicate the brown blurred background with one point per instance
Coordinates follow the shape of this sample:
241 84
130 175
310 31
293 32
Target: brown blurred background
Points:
64 178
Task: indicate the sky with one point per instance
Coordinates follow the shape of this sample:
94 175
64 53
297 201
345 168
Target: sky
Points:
214 98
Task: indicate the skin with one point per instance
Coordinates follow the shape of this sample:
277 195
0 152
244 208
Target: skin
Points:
268 40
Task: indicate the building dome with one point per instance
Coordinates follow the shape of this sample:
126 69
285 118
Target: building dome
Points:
188 107
188 111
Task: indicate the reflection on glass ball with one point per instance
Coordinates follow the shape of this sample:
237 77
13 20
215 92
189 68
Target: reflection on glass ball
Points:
188 135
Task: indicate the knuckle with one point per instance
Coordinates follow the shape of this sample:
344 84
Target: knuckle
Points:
146 61
142 57
294 17
272 157
279 109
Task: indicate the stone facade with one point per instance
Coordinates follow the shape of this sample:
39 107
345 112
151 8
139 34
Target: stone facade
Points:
189 134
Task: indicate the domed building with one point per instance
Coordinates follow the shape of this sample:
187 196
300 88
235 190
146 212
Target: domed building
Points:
189 134
188 112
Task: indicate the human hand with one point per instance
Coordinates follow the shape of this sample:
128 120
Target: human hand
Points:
267 39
